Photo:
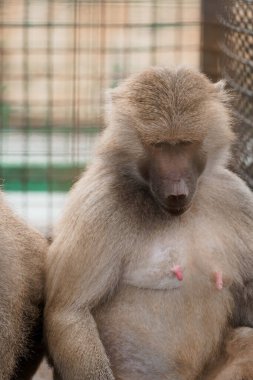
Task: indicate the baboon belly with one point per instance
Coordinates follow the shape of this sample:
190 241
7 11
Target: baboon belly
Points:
156 335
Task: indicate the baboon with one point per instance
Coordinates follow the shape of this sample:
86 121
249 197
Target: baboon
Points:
157 195
22 260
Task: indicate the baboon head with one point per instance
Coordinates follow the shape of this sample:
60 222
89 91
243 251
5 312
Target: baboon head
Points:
171 126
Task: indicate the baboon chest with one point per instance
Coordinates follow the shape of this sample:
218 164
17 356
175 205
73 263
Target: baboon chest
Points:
178 258
168 312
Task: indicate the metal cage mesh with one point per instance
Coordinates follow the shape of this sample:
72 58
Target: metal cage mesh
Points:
237 68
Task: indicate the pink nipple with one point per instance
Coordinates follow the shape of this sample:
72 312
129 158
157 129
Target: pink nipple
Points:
218 280
177 270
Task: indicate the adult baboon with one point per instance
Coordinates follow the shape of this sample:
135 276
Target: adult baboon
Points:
157 203
22 259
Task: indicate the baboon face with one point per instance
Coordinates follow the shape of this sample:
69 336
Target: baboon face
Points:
172 173
174 124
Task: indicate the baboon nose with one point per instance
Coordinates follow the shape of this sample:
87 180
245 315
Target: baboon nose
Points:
177 198
177 201
178 193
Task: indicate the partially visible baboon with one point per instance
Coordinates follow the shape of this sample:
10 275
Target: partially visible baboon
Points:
156 240
237 362
236 359
22 258
243 296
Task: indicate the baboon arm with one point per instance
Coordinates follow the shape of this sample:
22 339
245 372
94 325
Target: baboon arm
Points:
82 271
83 268
72 335
230 372
78 353
11 335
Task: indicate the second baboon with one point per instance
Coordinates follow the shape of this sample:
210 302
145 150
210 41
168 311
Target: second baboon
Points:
22 260
237 360
157 199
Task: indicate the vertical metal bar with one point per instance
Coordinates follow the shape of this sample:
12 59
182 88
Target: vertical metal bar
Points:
179 31
92 52
210 37
125 40
153 38
2 6
49 116
26 107
102 50
73 84
75 87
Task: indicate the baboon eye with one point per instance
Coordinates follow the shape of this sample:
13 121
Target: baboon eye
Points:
163 144
185 143
159 144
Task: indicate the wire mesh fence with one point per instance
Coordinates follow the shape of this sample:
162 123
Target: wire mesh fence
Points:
57 58
237 68
227 52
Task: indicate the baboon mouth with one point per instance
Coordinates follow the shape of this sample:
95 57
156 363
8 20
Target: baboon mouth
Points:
176 211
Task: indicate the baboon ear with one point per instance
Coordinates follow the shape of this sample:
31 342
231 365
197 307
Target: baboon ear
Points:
225 95
220 86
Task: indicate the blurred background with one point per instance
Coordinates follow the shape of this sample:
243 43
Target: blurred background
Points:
58 57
